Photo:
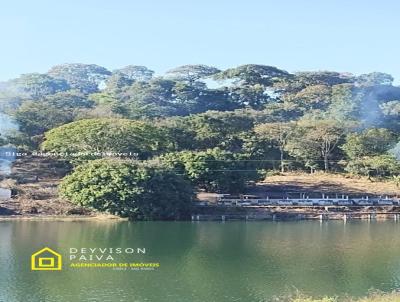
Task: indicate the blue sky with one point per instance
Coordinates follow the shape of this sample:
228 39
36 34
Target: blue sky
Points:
355 36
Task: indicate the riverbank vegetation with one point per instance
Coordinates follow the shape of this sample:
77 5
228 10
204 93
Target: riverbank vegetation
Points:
376 297
196 127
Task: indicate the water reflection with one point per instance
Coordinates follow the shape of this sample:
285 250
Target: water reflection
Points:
207 261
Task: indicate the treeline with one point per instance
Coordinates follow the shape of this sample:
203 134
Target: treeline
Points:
212 129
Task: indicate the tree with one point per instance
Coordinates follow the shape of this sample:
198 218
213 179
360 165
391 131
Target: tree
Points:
34 118
391 108
316 139
94 138
141 191
83 77
69 100
378 165
191 100
35 85
329 78
370 142
250 96
253 74
117 82
345 102
374 78
213 169
278 134
311 97
136 73
220 129
162 98
191 73
391 115
148 99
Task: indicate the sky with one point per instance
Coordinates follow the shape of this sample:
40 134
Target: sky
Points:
341 35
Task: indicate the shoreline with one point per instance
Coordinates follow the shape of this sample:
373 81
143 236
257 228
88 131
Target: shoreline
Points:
242 214
32 217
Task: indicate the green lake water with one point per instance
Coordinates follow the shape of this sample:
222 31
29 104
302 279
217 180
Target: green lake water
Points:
206 261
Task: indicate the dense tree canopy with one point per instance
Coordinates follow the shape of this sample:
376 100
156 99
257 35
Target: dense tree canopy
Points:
217 128
135 73
84 77
213 169
94 136
36 85
191 73
129 189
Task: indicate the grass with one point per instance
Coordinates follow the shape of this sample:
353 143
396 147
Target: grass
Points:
374 297
327 183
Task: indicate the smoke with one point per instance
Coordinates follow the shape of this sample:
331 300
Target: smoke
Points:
370 100
369 110
396 151
6 151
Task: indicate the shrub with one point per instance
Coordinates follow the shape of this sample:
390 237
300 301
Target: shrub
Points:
142 191
105 135
213 169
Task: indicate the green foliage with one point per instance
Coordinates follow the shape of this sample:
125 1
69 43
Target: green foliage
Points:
135 73
242 110
330 78
163 98
72 100
378 165
34 118
311 97
368 153
278 134
316 141
252 74
36 85
370 142
391 108
220 129
105 135
344 103
141 191
374 78
191 73
83 77
117 82
214 170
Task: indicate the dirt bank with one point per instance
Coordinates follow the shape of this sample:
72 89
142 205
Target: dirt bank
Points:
34 184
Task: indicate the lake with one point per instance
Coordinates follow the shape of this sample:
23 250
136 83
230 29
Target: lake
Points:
200 261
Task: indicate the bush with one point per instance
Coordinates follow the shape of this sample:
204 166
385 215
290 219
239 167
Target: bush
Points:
214 170
142 191
381 165
105 135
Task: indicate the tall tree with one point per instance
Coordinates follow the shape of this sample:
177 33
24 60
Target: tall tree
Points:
253 74
92 137
278 134
370 142
136 73
84 77
191 73
35 85
212 169
316 139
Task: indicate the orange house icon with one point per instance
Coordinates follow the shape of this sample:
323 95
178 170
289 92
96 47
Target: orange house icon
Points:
46 260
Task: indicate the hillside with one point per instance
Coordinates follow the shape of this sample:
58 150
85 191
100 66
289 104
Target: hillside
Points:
327 183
